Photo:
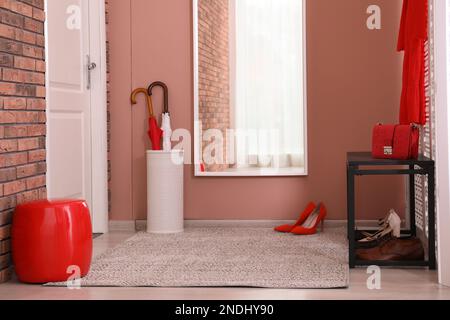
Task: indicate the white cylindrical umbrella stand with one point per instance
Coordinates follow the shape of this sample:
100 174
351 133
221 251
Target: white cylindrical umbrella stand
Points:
165 191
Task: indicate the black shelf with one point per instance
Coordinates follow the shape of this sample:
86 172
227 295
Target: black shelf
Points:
366 263
362 164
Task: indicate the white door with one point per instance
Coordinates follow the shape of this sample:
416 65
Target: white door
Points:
442 80
72 89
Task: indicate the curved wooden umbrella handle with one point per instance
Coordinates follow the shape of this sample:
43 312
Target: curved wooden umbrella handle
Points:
166 93
149 100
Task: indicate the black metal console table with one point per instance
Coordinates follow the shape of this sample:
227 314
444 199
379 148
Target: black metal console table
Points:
362 164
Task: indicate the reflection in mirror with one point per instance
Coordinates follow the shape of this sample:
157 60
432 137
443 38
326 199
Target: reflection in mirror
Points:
250 105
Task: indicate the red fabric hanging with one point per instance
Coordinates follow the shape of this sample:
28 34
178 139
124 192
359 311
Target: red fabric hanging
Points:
412 38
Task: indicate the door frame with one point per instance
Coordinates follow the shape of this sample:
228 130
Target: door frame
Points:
99 142
442 85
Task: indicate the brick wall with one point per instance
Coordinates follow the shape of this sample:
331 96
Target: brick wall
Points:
22 112
214 70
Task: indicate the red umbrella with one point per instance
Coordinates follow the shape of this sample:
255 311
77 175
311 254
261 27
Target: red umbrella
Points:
154 132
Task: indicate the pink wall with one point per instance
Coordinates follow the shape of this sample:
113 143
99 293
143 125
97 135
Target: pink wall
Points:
354 80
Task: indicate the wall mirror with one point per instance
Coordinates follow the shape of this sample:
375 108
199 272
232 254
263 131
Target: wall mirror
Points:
250 88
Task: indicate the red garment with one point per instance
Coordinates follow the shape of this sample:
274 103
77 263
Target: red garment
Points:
412 39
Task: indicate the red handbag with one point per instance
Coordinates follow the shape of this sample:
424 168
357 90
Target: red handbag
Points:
399 142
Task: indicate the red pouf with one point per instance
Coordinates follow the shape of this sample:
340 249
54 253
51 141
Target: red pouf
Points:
50 238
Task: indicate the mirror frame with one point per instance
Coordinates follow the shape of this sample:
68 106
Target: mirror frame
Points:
197 152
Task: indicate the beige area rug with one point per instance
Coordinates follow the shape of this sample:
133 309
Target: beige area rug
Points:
225 257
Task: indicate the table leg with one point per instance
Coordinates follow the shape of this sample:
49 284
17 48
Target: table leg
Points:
431 219
412 202
351 215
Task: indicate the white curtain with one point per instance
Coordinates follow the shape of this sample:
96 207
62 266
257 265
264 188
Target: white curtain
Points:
269 73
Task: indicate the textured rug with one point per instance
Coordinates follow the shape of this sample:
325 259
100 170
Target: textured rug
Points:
225 257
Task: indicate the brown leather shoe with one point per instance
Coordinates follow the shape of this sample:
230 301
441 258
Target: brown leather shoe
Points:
407 249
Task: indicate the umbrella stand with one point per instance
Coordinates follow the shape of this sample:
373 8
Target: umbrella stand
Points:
154 133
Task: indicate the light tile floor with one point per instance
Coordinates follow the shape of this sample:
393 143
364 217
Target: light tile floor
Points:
404 284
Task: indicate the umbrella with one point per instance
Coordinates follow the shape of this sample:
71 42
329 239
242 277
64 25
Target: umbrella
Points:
167 132
166 121
154 132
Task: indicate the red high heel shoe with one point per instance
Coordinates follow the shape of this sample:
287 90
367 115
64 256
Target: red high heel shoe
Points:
286 228
309 226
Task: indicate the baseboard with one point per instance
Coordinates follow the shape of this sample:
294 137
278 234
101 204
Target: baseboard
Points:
117 226
141 225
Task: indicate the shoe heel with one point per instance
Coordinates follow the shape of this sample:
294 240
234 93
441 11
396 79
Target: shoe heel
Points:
322 225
